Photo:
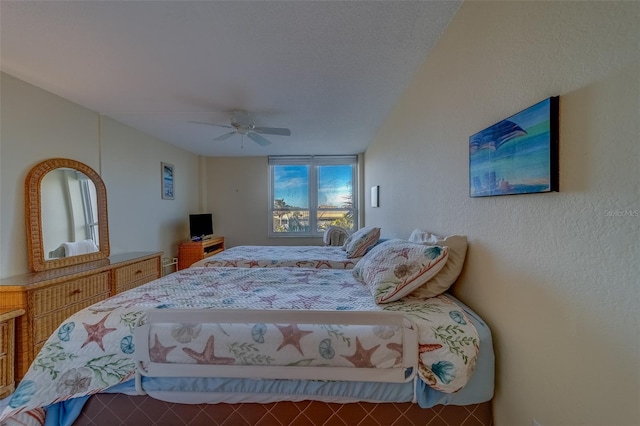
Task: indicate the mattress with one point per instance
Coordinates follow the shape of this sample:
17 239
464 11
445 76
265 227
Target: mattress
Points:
93 350
329 257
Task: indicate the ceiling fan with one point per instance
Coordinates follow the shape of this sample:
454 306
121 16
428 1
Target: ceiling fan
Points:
243 124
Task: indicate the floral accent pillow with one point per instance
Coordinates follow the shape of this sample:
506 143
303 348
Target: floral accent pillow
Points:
449 274
358 242
395 268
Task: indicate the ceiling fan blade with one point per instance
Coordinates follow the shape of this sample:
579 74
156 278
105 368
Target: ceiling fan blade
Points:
225 136
258 139
212 124
272 131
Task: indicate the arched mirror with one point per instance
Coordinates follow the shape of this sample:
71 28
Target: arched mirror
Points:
66 215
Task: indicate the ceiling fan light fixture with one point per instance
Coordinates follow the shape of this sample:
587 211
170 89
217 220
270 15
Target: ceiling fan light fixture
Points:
243 124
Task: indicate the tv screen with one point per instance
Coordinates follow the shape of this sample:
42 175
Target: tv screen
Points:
200 225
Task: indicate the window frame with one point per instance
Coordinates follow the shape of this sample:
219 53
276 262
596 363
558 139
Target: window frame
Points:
313 161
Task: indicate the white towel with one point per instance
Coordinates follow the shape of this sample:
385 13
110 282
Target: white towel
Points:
79 247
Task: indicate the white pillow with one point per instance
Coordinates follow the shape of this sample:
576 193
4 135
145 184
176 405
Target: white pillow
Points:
358 242
334 236
395 268
419 236
449 274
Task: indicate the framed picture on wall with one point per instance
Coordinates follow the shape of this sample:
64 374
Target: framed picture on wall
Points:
518 155
168 187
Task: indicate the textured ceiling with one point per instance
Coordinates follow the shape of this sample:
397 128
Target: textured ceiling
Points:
330 71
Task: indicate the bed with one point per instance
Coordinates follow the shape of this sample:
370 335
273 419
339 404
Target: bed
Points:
98 352
330 257
344 256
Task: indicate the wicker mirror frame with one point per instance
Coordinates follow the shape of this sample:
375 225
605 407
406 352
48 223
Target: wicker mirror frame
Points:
33 216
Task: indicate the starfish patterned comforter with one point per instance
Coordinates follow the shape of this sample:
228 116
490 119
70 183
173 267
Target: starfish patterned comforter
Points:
329 257
93 349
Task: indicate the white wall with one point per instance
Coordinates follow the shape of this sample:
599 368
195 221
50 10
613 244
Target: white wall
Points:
238 198
131 172
36 125
555 277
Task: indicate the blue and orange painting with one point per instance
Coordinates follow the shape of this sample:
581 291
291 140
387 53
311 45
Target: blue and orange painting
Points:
517 155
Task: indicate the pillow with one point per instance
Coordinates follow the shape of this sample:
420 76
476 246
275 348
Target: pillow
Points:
334 236
395 268
358 242
419 236
380 241
449 274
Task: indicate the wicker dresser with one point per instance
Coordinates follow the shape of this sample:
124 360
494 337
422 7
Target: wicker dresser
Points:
7 349
49 297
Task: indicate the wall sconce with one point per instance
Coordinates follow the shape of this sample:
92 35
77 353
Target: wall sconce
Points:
375 196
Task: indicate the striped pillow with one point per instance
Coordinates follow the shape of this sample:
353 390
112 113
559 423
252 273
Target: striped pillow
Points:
358 242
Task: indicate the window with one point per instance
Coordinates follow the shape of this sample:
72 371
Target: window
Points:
89 207
308 194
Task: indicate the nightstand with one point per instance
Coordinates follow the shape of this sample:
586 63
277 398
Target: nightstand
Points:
8 350
189 252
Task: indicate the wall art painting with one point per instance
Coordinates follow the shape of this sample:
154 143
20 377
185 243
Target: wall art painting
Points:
518 155
168 186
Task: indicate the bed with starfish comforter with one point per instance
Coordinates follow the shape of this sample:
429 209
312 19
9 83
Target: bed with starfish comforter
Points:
325 257
95 350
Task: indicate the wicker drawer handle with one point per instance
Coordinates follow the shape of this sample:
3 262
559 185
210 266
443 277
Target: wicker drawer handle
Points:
139 271
74 292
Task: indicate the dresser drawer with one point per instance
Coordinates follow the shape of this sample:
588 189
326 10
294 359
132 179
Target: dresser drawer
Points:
51 298
4 338
135 275
147 269
6 382
45 325
124 286
6 375
7 350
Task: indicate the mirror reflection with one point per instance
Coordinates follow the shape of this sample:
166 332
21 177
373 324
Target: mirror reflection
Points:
66 215
69 214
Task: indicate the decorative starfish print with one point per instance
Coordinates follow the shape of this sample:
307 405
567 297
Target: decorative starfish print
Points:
253 263
291 336
398 348
362 357
299 279
96 332
184 278
322 263
207 356
428 347
269 299
145 298
307 301
158 353
346 284
213 284
98 310
245 285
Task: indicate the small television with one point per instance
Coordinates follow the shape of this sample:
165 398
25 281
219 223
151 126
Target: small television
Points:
200 226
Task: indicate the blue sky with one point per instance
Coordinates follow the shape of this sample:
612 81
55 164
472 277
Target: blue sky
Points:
292 184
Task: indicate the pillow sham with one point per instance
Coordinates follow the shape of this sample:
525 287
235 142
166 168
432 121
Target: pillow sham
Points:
357 243
334 236
395 268
449 274
380 241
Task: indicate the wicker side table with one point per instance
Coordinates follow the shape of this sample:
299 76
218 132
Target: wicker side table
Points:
7 350
189 252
